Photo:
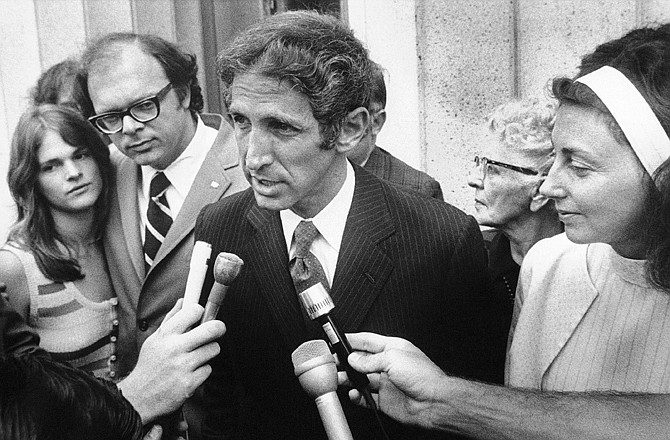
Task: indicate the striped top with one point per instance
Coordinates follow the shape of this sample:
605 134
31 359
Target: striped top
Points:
71 327
587 320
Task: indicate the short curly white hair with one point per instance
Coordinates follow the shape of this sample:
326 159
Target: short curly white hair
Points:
525 125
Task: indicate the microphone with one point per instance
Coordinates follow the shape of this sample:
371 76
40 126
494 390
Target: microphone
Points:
315 369
197 272
318 304
226 268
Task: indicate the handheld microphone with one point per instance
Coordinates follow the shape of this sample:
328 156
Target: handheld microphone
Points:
315 369
318 304
197 272
226 268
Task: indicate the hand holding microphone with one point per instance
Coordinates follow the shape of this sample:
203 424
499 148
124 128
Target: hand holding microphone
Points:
318 304
226 268
315 368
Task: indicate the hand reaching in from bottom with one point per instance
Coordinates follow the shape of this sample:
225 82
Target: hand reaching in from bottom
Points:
402 377
172 362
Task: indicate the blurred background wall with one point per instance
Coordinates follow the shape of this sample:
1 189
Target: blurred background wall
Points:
449 62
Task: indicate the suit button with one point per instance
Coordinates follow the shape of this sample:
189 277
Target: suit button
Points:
143 325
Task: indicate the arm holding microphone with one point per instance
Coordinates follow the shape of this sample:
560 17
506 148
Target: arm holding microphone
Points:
173 362
410 388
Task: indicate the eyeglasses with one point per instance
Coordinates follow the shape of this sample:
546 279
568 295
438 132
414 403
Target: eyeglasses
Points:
146 110
484 161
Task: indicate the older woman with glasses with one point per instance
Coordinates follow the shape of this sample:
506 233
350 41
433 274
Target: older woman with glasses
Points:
507 182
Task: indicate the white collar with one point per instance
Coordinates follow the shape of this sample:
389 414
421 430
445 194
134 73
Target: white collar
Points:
182 171
331 220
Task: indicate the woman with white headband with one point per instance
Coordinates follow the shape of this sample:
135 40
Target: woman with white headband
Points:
589 356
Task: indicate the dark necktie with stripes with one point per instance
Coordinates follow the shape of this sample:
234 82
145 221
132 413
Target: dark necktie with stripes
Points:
159 219
305 268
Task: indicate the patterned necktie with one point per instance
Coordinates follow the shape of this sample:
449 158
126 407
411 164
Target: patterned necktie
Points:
305 268
159 219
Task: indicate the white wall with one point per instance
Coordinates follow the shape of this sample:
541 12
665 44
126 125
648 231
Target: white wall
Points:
19 69
388 28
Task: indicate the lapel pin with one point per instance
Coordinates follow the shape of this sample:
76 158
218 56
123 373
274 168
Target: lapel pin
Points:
214 184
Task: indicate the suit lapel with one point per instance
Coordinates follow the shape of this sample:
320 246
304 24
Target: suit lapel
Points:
130 214
546 323
209 185
569 305
379 164
273 277
362 267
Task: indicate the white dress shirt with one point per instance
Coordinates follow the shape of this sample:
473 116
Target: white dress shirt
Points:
181 173
330 222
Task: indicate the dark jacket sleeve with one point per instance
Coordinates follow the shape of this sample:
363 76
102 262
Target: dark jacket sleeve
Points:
15 336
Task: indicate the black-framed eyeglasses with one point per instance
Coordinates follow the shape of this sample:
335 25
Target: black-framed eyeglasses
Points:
481 161
145 110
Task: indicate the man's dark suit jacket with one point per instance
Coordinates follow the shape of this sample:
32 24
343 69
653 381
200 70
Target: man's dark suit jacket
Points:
409 266
386 166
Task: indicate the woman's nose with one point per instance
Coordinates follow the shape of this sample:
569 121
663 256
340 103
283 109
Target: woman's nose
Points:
72 171
552 186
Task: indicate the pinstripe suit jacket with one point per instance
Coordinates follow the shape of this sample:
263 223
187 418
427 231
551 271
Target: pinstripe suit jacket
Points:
386 166
409 266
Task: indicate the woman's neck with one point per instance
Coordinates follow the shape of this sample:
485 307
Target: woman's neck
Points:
523 235
77 230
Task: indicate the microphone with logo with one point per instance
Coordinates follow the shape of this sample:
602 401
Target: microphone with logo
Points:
226 268
317 304
315 369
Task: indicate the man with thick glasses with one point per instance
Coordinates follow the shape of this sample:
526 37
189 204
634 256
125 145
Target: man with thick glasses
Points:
142 91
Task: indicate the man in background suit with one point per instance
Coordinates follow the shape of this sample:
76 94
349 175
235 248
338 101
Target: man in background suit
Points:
143 92
297 87
380 162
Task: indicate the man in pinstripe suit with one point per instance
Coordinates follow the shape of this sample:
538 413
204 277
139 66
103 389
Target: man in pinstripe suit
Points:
400 264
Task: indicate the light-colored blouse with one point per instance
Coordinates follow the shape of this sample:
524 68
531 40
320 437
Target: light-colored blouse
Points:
586 319
72 328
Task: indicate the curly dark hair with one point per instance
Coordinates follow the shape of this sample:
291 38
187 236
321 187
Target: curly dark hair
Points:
643 56
180 67
316 54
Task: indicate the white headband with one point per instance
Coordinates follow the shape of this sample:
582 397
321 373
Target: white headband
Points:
630 110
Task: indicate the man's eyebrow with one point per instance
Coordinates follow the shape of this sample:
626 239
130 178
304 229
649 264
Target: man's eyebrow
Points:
137 101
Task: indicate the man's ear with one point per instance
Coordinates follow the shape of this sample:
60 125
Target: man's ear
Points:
377 121
353 129
537 200
186 102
